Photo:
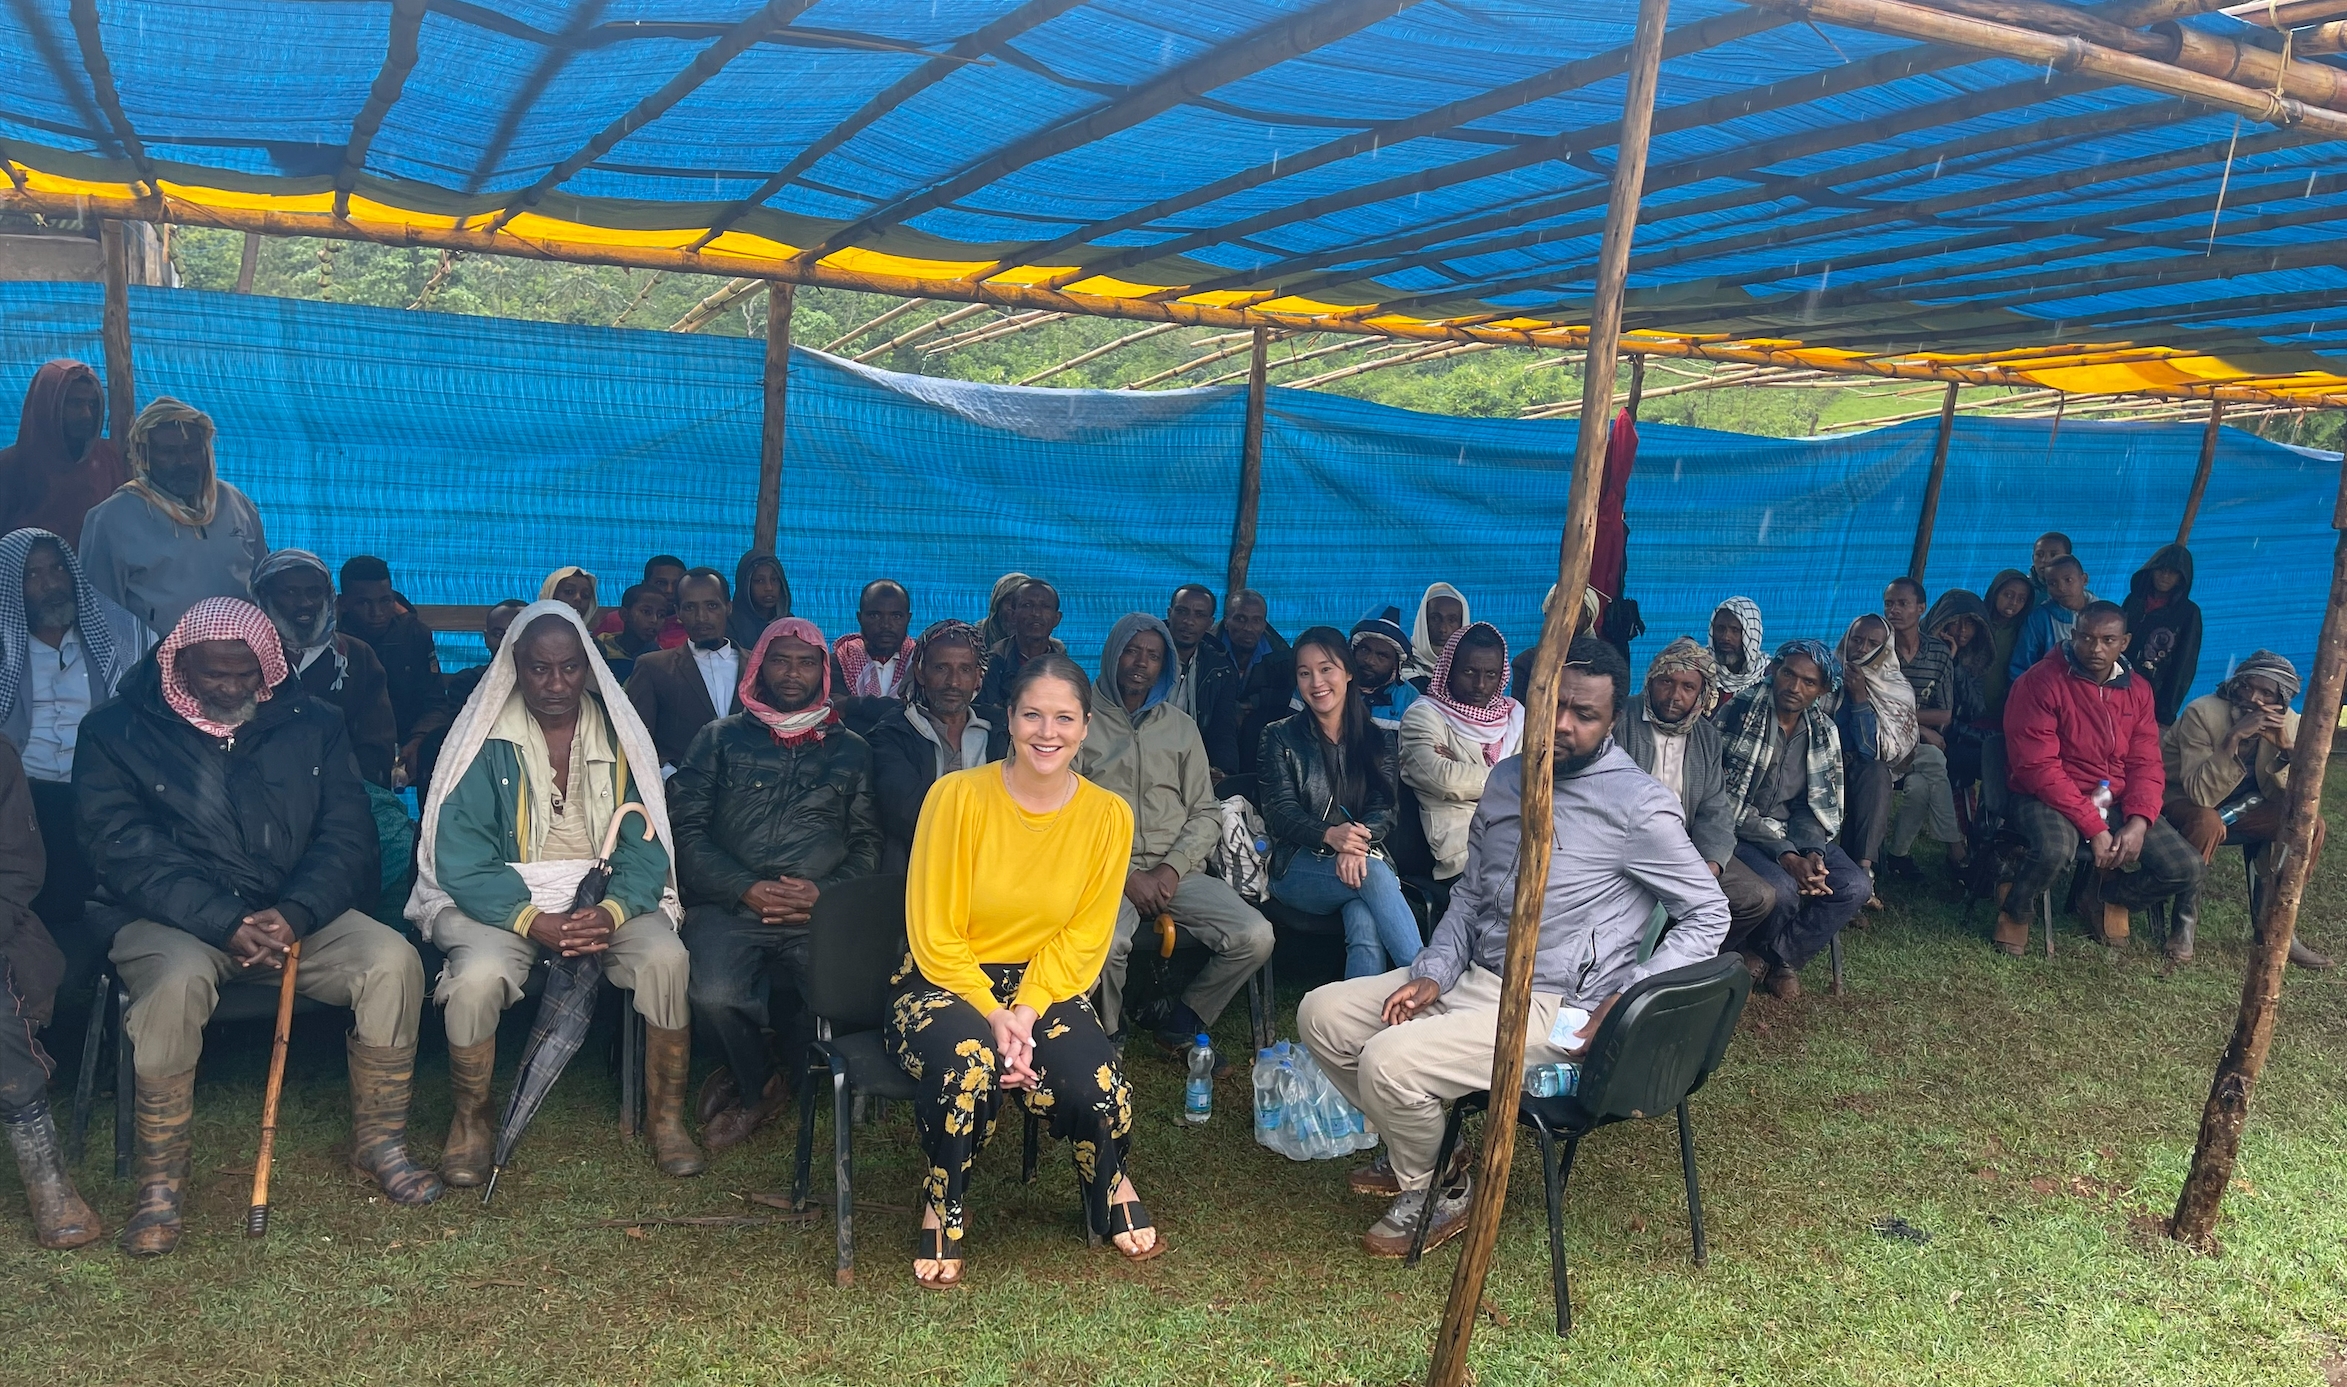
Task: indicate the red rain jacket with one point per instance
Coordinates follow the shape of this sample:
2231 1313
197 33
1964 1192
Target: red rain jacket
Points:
2064 733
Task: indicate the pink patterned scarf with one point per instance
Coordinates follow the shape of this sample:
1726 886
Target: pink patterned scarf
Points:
219 619
809 723
863 672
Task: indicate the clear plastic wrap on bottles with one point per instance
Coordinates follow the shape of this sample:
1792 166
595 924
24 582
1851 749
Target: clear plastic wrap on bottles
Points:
1299 1113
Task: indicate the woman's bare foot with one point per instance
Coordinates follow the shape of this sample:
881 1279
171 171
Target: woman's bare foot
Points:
937 1273
1141 1241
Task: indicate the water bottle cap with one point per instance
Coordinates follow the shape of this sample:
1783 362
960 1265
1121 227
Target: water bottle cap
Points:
1203 1043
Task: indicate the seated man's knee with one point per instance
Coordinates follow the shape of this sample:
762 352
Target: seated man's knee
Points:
1252 939
1388 1072
474 982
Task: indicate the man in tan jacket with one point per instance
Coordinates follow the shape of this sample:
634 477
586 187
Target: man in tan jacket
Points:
2228 763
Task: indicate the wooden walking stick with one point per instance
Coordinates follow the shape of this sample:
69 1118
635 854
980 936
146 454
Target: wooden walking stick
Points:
256 1219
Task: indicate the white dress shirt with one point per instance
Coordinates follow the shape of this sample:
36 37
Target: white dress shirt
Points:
721 674
58 684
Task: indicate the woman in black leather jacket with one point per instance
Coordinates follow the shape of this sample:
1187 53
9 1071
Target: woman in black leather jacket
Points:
1328 780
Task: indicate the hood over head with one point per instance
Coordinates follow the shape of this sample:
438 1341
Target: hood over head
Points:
40 432
1112 649
111 638
1422 647
2170 556
279 561
1956 603
1988 598
749 622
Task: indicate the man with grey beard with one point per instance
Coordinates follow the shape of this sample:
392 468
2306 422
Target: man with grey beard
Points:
226 820
293 587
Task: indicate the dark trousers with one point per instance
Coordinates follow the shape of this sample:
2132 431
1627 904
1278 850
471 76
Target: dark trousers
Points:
737 962
2169 866
947 1047
24 1065
1801 926
1866 807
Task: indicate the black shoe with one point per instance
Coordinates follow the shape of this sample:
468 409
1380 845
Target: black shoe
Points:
1901 868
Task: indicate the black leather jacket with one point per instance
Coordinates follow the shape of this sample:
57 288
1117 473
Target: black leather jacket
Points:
904 765
1299 803
745 808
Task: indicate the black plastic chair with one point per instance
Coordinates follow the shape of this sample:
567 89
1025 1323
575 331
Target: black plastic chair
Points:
1653 1051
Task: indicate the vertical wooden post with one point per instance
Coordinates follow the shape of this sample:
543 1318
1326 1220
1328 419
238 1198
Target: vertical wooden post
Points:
2261 993
250 263
777 385
1637 385
2208 460
1931 487
114 330
1449 1368
1250 468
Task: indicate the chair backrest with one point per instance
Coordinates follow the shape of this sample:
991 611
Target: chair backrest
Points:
855 940
1664 1038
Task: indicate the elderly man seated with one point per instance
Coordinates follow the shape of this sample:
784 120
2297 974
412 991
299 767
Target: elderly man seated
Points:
2227 763
771 806
539 763
1402 1044
1668 733
226 822
333 666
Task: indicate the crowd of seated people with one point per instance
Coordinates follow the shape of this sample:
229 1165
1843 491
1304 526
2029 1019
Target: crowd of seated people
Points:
206 743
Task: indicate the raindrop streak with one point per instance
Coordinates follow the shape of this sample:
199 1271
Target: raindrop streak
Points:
1765 517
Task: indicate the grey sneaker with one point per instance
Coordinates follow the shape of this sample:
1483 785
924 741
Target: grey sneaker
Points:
1390 1236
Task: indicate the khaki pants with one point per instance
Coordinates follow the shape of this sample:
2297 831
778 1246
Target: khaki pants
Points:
487 966
174 980
1931 800
1403 1076
1216 916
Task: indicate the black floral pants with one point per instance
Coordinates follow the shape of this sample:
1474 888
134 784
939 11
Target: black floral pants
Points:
948 1049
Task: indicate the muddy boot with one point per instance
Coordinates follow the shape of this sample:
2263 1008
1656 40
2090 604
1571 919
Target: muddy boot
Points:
380 1081
166 1109
2183 918
2300 955
667 1057
2012 935
60 1219
737 1124
465 1157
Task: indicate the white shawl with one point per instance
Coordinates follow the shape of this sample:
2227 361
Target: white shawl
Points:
471 730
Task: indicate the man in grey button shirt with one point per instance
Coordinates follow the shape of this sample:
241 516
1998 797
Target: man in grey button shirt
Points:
1401 1045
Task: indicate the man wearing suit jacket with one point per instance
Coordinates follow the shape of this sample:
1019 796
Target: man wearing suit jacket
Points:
678 692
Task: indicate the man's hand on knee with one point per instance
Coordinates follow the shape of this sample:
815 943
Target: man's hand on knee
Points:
1409 999
262 940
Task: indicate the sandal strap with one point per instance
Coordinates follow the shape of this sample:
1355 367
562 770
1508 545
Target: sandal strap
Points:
1131 1215
931 1245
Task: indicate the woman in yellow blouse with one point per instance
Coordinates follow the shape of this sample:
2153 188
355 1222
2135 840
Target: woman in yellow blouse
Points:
1010 901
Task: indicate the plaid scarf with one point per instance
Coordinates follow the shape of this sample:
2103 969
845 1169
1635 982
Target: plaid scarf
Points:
809 723
949 632
1744 745
863 672
108 658
1498 722
1685 654
219 619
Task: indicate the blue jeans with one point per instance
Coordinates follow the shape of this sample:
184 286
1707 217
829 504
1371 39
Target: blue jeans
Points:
1380 931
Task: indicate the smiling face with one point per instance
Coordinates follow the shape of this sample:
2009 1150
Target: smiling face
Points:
297 597
1048 723
792 674
1322 679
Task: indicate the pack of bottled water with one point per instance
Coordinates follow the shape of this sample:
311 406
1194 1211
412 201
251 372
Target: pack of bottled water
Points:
1299 1113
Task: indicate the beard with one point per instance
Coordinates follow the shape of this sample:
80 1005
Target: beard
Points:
318 630
1567 766
233 714
56 612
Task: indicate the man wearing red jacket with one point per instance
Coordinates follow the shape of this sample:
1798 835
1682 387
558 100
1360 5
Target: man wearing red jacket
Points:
2076 719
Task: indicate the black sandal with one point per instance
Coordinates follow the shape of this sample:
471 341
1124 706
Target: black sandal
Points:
931 1245
1131 1217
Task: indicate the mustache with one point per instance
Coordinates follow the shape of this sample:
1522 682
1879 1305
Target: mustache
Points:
233 714
57 611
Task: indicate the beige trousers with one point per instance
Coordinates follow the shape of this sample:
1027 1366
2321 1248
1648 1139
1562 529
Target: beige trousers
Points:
487 966
175 978
1403 1077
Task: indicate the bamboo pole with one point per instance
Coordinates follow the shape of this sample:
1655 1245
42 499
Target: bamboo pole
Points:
914 334
1931 487
2208 461
1449 1368
776 381
873 324
733 292
2261 991
250 263
1250 466
114 329
1087 357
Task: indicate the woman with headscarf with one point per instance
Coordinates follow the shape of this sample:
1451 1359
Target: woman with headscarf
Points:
1877 718
61 463
2009 599
1737 649
574 587
996 627
761 597
174 534
1451 738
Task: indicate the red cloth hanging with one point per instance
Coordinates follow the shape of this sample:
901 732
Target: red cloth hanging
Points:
1611 553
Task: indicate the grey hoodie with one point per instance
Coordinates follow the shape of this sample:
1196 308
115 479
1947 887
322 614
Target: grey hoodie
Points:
1621 844
1155 759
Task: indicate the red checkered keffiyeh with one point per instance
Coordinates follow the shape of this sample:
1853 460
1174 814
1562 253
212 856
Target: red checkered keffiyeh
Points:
809 723
219 619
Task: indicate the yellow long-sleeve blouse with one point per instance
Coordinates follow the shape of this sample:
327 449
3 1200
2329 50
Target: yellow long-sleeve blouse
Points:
991 883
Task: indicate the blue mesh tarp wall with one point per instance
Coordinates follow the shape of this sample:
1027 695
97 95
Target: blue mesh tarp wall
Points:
477 454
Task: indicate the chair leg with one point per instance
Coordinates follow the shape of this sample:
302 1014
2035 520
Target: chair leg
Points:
125 1082
1558 1175
631 1068
803 1168
1833 951
843 1177
1256 1010
2045 907
86 1086
1442 1162
1694 1187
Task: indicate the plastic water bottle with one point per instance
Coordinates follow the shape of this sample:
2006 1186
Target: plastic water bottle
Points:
1267 1098
2101 798
2231 813
1198 1095
1553 1080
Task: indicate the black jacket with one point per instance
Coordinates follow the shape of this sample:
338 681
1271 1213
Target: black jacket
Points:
904 766
1218 705
411 668
2164 643
350 678
1299 801
745 808
197 832
1261 697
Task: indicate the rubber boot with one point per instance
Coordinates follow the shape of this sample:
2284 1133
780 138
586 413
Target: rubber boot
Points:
2106 920
2183 918
381 1078
667 1057
464 1159
2012 936
165 1112
61 1219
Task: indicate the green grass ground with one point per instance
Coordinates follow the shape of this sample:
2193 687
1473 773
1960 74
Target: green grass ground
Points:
2033 1118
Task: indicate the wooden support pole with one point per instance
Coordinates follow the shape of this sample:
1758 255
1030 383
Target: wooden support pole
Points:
1250 467
2261 991
1637 386
250 263
114 329
1931 487
1449 1368
2208 461
777 386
